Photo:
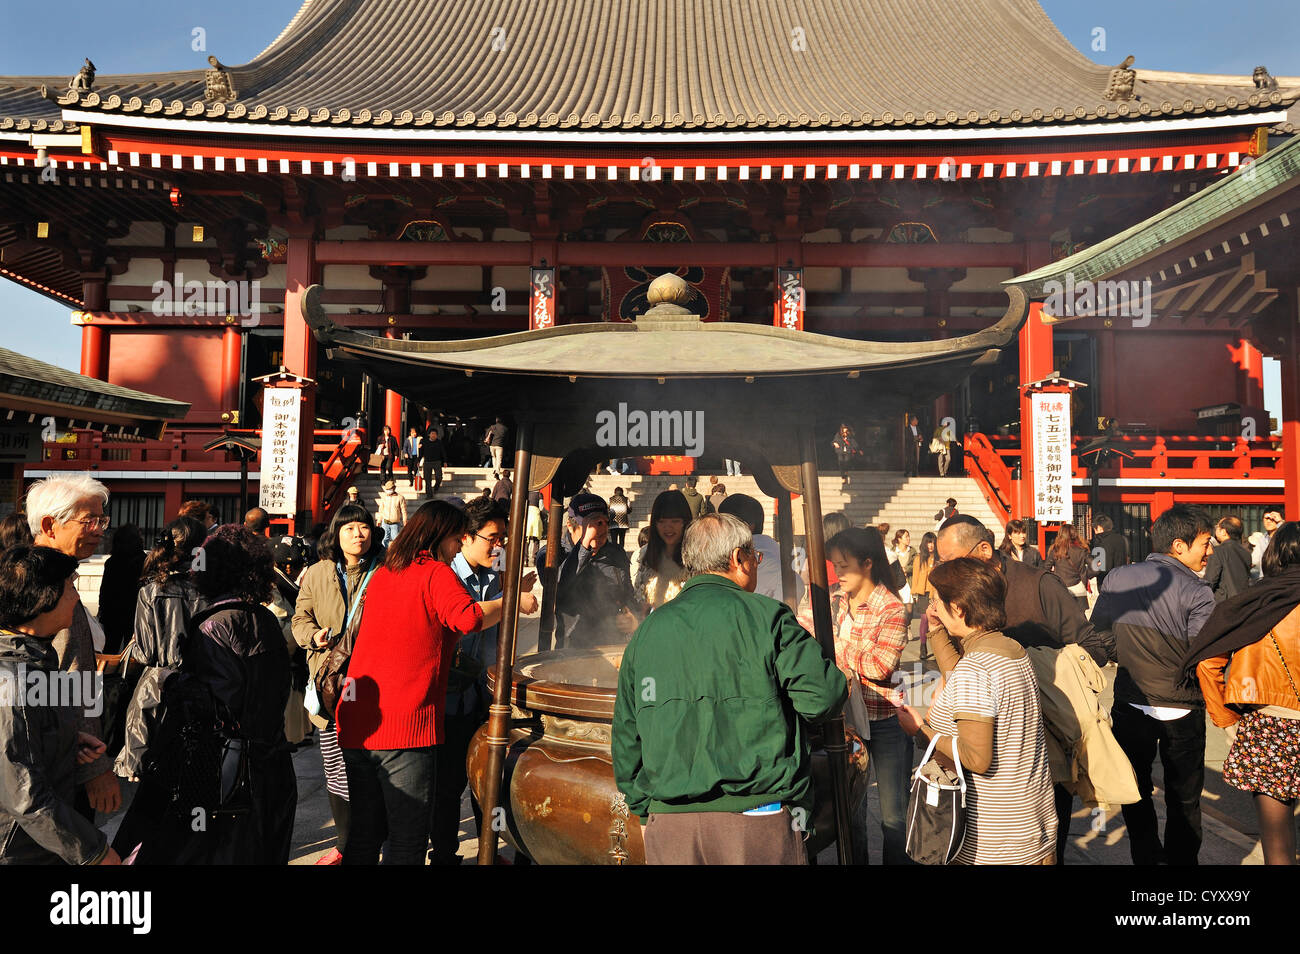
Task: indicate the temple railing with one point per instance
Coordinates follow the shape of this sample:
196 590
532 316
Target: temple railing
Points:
994 462
340 454
991 474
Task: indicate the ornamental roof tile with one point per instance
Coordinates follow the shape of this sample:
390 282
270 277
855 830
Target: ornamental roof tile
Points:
659 66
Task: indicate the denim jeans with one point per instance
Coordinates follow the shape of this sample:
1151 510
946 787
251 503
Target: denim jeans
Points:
890 752
392 792
391 530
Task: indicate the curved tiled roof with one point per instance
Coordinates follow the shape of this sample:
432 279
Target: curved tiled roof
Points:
663 66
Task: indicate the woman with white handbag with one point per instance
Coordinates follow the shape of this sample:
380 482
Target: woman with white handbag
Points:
988 703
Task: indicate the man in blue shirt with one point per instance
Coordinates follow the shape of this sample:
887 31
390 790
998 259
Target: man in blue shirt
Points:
1155 610
467 692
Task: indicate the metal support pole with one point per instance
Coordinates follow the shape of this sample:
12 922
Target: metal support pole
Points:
498 726
819 596
785 538
554 526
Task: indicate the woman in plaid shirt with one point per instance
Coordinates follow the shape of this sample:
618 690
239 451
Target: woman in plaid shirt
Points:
870 633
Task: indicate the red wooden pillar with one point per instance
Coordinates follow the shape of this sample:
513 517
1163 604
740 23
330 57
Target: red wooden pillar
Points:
231 347
393 404
1291 413
1035 364
300 358
94 352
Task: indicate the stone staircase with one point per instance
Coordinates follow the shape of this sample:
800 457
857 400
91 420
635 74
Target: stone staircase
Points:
869 497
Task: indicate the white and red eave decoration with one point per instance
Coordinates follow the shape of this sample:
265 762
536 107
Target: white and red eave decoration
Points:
1225 155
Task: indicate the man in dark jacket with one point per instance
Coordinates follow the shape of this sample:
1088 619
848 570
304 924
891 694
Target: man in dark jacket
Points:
694 499
1040 612
709 740
595 602
433 454
1156 608
1227 572
1113 547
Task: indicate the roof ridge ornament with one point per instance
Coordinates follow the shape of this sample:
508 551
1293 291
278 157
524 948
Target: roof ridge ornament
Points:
1263 79
85 78
217 84
1122 78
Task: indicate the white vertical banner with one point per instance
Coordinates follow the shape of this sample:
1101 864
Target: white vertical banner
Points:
280 420
1053 500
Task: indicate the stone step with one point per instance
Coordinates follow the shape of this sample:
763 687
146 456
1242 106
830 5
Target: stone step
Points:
870 497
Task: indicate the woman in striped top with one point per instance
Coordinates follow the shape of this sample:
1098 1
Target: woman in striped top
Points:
988 708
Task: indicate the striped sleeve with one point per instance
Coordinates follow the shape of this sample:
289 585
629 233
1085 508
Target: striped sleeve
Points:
971 694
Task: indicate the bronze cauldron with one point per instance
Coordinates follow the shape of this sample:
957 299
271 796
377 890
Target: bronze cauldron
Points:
562 805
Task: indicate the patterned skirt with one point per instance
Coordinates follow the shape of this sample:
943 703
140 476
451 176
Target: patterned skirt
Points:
1266 757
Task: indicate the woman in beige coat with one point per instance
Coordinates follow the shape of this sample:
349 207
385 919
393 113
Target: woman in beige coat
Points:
350 551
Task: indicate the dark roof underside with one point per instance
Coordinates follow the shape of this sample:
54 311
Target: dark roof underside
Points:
28 384
656 65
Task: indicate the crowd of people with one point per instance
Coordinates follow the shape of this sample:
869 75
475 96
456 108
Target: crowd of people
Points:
230 653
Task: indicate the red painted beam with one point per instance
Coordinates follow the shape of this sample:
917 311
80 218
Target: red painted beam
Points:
704 254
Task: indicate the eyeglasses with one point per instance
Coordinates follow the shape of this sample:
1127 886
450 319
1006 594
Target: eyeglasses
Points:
94 523
938 559
493 541
756 554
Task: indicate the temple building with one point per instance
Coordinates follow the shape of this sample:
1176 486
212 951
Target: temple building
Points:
878 170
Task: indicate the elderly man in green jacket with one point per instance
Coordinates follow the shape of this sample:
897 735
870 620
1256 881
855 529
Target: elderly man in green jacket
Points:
709 739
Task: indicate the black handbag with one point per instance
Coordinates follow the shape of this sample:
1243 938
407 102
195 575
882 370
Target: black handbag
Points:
936 810
196 759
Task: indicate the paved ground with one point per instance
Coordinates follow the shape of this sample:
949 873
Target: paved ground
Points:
1231 834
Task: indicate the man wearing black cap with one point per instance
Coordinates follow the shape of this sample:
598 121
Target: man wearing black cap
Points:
595 602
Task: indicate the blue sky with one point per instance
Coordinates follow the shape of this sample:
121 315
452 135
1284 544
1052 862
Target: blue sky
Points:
1207 36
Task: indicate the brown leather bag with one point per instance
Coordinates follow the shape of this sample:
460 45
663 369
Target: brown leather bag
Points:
332 683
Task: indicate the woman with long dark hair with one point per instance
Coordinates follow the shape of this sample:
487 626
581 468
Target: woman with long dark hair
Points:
1067 557
1015 545
1247 659
416 610
927 555
226 700
328 590
657 571
166 602
870 632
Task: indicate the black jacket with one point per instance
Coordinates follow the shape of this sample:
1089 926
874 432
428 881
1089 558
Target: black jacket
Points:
1059 620
589 592
162 618
1228 570
1155 608
38 823
236 656
1114 549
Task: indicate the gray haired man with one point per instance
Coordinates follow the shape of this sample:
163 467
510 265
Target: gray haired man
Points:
709 747
67 513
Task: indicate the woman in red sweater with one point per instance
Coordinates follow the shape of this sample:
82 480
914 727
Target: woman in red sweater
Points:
415 612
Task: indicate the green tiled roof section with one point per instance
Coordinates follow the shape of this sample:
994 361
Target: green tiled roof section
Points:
24 377
1274 171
